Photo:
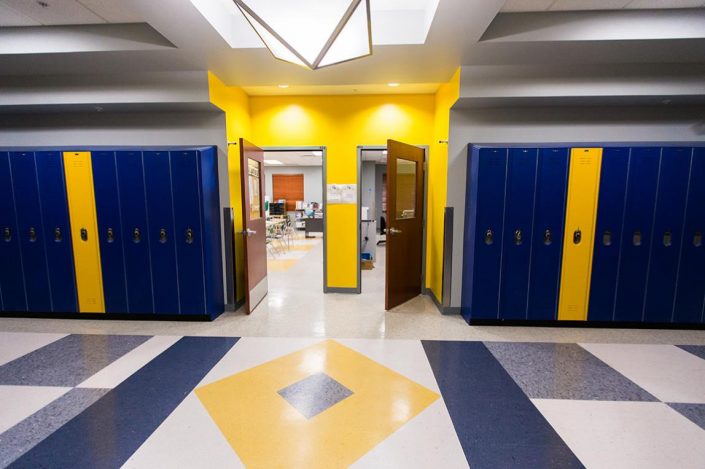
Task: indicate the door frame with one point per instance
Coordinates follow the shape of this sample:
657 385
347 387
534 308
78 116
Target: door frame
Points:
324 200
360 149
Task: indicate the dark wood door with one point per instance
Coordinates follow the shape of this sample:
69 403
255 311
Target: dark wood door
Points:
405 166
254 223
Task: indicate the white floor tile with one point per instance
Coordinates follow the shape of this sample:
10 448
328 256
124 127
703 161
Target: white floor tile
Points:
16 344
187 438
624 435
125 366
19 402
666 371
428 440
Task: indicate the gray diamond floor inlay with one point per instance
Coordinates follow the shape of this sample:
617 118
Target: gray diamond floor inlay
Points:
68 361
564 371
314 394
697 350
693 412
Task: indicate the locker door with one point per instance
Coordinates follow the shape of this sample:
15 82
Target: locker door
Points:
31 231
518 220
133 209
547 239
110 231
486 263
608 233
11 273
690 290
57 231
667 233
188 234
581 211
636 236
162 240
84 231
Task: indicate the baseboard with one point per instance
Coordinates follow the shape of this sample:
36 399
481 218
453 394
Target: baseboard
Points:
444 310
111 316
584 324
340 290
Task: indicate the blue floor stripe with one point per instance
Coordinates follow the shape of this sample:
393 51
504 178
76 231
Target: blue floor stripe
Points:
106 434
496 423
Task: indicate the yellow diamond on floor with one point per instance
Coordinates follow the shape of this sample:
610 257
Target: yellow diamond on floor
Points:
361 403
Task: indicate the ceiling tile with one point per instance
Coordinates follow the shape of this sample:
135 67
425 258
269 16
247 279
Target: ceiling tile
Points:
575 5
111 11
11 17
56 12
653 4
526 5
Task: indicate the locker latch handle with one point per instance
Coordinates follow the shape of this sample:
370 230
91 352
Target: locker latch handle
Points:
698 239
7 234
577 236
607 238
57 235
136 235
547 238
667 239
162 235
489 237
189 236
111 235
32 235
84 234
518 237
636 238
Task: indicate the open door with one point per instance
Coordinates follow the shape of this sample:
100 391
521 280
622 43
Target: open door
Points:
405 166
254 223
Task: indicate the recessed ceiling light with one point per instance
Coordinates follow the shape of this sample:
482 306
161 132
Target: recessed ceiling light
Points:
317 153
272 162
283 86
393 85
384 152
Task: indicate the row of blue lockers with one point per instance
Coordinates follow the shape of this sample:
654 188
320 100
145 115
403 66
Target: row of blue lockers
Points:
596 233
129 230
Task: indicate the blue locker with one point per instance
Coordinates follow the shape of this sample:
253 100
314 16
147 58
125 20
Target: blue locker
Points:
133 210
31 231
57 230
487 174
212 240
11 272
667 233
518 221
110 229
608 233
637 233
547 238
162 240
690 290
188 230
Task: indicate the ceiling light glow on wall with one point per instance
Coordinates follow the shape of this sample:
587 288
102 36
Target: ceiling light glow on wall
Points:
311 33
393 85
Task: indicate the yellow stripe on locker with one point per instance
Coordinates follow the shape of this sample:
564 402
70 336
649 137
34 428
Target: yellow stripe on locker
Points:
581 212
84 231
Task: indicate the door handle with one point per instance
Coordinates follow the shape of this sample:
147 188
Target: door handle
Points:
84 234
489 237
636 238
111 235
136 235
189 236
248 232
7 234
518 237
667 239
607 238
32 235
394 231
577 236
547 238
162 235
57 235
697 239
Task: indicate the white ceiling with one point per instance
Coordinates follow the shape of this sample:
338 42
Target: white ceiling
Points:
61 12
578 5
377 156
293 158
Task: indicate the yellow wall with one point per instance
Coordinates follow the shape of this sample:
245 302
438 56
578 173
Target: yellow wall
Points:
235 102
446 96
341 123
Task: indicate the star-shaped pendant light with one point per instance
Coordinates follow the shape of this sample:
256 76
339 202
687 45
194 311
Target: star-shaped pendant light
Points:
311 33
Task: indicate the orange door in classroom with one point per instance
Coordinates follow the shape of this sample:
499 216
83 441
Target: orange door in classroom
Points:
581 212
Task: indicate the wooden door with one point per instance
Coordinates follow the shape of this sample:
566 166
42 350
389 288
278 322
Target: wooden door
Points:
405 167
254 223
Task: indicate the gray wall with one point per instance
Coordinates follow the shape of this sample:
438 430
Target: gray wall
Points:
313 180
556 124
368 188
128 128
